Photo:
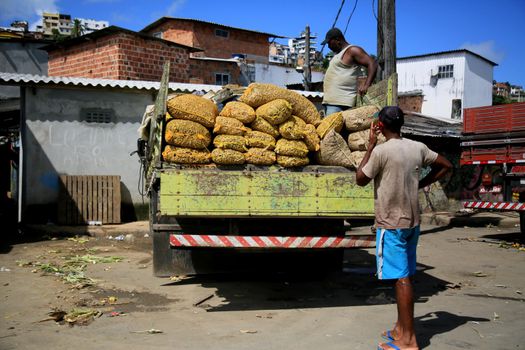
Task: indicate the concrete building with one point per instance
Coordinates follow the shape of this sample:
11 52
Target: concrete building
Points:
501 89
91 25
62 23
447 81
280 54
298 49
216 40
282 75
517 94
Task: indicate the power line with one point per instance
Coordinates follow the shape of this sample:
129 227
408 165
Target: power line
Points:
336 18
350 17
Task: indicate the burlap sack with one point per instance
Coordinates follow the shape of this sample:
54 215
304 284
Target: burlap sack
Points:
260 124
311 138
358 119
275 112
227 156
358 141
290 162
357 157
238 110
260 156
234 142
185 133
182 155
334 151
258 94
194 108
333 121
228 126
259 139
293 128
291 148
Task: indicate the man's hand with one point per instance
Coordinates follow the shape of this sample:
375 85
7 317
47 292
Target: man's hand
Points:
372 137
363 89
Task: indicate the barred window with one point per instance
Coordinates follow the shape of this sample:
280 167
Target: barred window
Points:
222 78
97 115
446 71
222 33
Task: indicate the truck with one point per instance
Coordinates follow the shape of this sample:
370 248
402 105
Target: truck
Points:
493 139
212 218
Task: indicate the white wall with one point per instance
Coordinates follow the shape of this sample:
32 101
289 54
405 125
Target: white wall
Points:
282 76
472 82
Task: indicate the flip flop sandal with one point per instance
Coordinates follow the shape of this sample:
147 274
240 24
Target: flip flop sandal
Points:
392 345
387 335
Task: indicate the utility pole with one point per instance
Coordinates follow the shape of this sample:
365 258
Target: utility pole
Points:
307 67
386 39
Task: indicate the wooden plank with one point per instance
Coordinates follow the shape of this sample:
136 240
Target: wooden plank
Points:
89 216
104 199
84 179
100 199
116 199
62 197
109 184
69 204
74 199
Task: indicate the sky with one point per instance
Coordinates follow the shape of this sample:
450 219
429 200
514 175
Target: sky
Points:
493 29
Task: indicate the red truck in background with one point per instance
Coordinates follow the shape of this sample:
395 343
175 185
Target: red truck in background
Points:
494 137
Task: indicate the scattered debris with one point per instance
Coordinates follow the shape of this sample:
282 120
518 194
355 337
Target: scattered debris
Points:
480 274
149 331
248 331
496 316
4 269
479 333
264 316
55 315
519 292
77 239
379 299
94 223
204 299
146 235
117 313
453 285
500 286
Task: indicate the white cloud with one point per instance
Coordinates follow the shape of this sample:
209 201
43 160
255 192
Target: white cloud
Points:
11 10
175 5
486 49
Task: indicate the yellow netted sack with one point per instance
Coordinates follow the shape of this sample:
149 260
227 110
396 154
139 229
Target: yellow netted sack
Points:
358 119
357 158
240 111
234 142
260 156
258 94
194 108
260 124
259 139
227 156
182 155
290 162
293 128
358 141
185 133
228 126
275 112
333 121
291 148
168 117
311 138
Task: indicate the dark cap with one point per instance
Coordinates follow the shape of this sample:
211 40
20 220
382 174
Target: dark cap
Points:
392 117
331 34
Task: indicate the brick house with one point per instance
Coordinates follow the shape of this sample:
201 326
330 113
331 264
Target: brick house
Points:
118 53
216 40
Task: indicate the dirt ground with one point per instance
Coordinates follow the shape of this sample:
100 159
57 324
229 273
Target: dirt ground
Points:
469 290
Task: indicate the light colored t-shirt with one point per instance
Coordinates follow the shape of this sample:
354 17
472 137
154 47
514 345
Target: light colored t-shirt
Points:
395 167
340 82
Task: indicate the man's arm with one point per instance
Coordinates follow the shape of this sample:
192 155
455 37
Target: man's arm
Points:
439 168
359 56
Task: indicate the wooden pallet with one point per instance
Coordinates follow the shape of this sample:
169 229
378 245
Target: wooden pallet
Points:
89 199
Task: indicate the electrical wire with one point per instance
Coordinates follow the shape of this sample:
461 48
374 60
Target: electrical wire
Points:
335 21
350 17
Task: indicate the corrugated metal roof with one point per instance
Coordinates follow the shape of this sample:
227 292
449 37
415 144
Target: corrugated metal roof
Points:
448 52
29 79
167 18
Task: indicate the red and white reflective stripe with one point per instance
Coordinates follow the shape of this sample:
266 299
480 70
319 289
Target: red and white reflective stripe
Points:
482 162
212 241
495 205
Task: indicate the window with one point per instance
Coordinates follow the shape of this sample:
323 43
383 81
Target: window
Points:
456 109
222 33
446 71
222 78
157 35
96 115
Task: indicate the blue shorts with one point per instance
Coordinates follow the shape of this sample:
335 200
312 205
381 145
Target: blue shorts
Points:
396 252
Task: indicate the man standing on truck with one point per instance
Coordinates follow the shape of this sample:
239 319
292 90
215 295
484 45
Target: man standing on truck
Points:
340 81
395 167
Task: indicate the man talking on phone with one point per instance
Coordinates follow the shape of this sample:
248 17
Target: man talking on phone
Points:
395 166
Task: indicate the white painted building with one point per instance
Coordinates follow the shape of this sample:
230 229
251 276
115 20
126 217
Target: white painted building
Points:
91 25
449 81
281 75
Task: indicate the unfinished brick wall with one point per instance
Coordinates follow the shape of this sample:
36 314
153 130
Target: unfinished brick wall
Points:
203 71
120 56
202 35
411 103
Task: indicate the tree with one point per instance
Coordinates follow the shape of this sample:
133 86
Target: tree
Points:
56 36
78 28
500 100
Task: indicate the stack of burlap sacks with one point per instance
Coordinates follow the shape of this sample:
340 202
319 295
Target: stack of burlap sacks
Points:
267 125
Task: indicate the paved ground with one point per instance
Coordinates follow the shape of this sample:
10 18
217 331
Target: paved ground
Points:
469 290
